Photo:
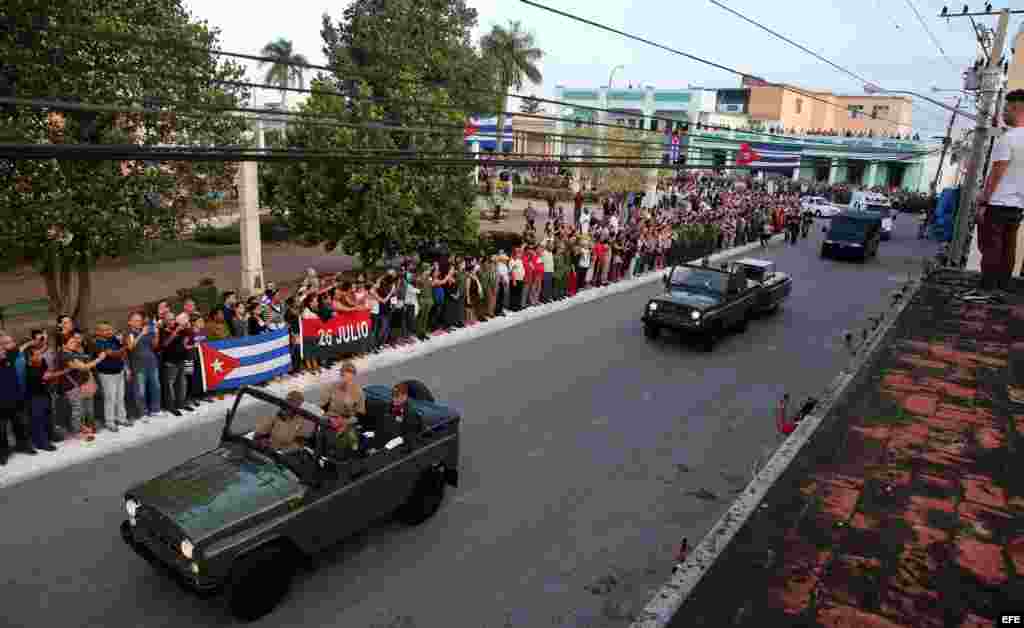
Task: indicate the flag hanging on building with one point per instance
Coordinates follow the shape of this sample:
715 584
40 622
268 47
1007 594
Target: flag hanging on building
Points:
236 362
767 156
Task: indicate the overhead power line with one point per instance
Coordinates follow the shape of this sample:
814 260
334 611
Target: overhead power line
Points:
928 30
131 152
133 39
791 42
734 71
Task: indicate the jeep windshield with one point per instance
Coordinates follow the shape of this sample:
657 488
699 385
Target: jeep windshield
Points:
698 280
848 230
273 429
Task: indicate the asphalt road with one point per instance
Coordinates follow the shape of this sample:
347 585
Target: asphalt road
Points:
582 447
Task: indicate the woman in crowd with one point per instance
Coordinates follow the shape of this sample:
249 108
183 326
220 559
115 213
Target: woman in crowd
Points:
79 384
310 311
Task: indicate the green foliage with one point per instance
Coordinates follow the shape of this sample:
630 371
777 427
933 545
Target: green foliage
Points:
513 55
63 216
271 230
282 71
415 59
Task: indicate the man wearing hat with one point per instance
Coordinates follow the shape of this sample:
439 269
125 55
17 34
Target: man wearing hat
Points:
286 431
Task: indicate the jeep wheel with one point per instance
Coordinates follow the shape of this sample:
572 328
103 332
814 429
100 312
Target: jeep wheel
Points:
651 332
259 581
709 340
425 500
741 326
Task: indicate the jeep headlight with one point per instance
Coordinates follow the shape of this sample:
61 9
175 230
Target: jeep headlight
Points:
187 549
695 315
652 306
131 507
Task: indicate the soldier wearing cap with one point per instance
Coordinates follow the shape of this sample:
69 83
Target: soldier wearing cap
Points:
286 430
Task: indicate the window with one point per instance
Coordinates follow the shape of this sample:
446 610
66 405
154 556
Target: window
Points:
632 123
856 111
879 110
799 105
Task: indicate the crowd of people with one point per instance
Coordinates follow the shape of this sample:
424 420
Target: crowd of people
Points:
66 383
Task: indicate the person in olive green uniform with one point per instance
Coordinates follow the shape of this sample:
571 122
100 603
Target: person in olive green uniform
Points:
488 276
426 303
562 264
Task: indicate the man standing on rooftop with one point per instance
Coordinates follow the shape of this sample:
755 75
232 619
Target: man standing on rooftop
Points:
1002 199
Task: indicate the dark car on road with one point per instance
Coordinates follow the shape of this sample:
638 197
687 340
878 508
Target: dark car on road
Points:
701 301
852 234
772 286
244 516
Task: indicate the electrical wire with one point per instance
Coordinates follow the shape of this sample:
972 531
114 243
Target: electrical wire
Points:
127 38
791 42
313 120
931 35
131 152
782 86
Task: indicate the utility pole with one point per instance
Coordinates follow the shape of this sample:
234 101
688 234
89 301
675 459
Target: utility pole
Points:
945 146
965 217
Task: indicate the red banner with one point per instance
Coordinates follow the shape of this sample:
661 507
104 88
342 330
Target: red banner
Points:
344 333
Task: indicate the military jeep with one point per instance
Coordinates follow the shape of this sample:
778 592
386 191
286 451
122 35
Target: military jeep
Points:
244 517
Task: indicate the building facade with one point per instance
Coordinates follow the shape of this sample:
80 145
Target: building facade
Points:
784 132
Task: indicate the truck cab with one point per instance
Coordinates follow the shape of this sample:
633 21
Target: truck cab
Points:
852 234
878 204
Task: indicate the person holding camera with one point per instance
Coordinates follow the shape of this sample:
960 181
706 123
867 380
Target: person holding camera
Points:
175 348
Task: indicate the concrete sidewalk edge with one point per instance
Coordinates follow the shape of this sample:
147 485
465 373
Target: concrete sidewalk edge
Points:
22 468
661 609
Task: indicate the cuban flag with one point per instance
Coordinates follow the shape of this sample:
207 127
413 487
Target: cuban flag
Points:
230 364
485 131
767 156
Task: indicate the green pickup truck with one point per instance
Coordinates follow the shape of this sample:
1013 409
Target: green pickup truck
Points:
244 516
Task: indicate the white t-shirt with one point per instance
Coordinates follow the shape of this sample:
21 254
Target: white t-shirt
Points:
1010 147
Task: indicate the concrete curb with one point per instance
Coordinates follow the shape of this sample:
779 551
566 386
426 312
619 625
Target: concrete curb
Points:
22 468
662 608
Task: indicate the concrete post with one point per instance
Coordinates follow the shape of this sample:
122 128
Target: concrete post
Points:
474 147
833 172
249 201
871 175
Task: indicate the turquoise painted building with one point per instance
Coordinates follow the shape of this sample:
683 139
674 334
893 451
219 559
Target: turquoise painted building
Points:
698 114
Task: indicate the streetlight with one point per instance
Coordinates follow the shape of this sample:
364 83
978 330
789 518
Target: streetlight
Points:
611 74
874 89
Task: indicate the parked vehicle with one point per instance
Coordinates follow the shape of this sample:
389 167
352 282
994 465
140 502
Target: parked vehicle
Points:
820 206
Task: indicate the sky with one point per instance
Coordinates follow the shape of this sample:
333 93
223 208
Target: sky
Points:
881 40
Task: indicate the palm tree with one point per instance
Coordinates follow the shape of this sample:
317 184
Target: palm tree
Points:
281 71
515 55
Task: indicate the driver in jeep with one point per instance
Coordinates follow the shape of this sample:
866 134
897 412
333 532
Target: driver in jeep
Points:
286 431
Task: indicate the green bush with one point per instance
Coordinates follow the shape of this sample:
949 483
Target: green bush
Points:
230 234
271 230
493 241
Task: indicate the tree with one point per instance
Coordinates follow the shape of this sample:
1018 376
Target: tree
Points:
531 105
623 180
283 70
64 216
514 56
401 63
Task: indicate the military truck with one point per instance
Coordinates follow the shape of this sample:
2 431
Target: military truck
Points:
243 517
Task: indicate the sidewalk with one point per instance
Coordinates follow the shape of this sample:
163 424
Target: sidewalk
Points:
906 507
